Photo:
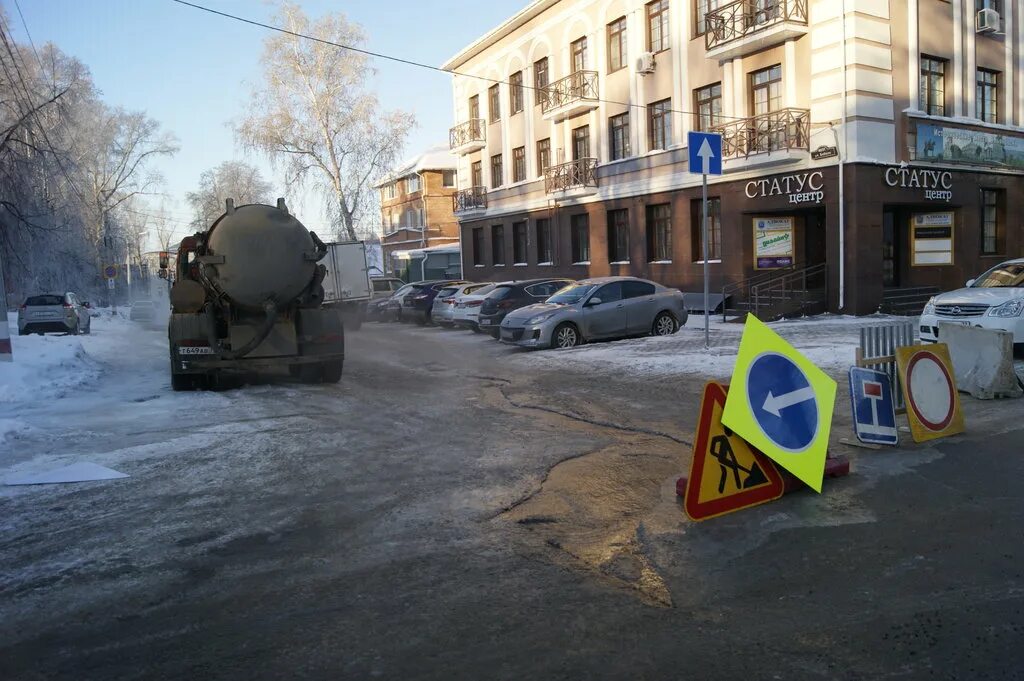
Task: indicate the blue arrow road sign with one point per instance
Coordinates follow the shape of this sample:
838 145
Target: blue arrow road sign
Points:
874 411
782 402
705 153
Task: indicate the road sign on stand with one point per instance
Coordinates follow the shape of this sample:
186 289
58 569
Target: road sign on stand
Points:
110 284
110 271
781 403
726 474
705 153
929 386
874 409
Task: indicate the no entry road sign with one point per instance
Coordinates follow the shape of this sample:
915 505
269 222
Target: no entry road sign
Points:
929 386
781 403
726 474
874 410
705 153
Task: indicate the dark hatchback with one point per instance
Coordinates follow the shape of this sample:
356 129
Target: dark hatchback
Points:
514 295
418 303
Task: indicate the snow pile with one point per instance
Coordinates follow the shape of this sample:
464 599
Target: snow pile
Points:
45 367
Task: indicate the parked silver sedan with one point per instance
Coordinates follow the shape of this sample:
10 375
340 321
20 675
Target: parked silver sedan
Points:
592 309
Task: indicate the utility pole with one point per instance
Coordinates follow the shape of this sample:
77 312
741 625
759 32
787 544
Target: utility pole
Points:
6 351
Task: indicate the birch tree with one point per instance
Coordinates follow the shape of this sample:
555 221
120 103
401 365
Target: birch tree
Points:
315 115
230 180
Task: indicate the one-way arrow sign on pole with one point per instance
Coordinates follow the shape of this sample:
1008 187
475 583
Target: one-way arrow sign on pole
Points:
705 153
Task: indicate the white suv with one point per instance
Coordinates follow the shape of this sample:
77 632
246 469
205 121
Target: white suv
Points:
995 300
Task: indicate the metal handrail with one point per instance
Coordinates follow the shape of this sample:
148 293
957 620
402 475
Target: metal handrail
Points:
773 131
744 287
578 173
469 199
739 19
473 130
580 85
783 288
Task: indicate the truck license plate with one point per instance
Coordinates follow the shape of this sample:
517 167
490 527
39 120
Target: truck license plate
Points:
195 350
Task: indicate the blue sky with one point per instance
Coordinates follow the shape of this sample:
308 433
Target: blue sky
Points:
192 71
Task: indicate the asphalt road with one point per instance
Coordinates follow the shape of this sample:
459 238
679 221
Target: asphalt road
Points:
449 511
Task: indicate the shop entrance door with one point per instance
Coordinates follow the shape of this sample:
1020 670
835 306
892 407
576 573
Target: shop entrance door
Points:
814 238
890 249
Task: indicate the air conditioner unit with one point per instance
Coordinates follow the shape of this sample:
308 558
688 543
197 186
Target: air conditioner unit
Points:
988 21
645 64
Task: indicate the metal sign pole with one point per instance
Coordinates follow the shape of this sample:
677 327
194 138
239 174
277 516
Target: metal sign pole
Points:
707 275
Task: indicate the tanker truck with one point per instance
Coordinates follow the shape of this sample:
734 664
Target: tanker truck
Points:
248 297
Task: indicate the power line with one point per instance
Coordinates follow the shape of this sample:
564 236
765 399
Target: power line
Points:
30 41
409 62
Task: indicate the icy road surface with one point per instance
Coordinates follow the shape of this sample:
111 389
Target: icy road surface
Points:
459 509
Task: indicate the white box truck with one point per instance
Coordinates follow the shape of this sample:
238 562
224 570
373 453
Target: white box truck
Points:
347 283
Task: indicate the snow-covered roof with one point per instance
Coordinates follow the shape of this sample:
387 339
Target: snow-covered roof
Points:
434 158
421 252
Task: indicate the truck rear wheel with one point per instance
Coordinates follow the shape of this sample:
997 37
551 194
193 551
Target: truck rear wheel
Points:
307 373
332 371
182 382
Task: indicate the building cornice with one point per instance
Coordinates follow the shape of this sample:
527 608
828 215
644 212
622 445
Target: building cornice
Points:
528 13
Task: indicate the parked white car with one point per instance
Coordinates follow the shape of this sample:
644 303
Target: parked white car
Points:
467 307
443 312
995 300
60 312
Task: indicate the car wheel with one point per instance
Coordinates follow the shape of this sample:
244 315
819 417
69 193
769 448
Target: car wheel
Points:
75 331
476 328
494 334
664 325
565 336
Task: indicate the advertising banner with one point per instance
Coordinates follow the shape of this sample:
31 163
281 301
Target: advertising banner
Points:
976 147
773 243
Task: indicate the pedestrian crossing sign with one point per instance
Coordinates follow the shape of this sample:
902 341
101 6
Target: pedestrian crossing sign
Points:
727 473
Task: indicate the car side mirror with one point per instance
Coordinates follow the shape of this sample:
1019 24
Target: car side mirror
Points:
593 301
970 283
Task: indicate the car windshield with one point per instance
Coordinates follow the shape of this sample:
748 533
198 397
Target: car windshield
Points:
447 291
500 292
572 294
45 300
1007 275
486 290
405 289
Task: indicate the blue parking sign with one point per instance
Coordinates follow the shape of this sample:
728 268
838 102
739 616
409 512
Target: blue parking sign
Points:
874 411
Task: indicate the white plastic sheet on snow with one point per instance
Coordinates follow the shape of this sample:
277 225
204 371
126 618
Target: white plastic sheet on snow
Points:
76 472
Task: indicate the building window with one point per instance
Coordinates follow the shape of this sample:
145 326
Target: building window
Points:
708 102
933 86
986 4
478 245
389 190
580 234
540 79
617 44
581 142
578 49
493 104
544 242
497 245
412 184
477 173
659 233
515 82
447 178
659 125
714 229
618 137
474 107
519 243
987 99
496 171
519 164
702 9
543 155
657 26
991 229
618 235
766 90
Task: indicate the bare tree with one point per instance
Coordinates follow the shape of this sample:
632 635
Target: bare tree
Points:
230 180
314 115
163 227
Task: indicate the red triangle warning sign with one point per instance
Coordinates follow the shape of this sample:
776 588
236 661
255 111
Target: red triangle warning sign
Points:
727 473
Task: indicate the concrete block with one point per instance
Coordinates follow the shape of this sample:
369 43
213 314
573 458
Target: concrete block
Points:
982 360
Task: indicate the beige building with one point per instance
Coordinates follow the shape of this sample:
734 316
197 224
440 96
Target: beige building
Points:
416 206
571 123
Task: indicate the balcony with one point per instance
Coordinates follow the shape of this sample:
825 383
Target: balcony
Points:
574 175
776 137
469 200
467 137
571 96
747 26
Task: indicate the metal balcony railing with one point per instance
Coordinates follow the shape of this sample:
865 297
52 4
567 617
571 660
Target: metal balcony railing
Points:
579 86
578 173
473 130
469 199
742 18
780 130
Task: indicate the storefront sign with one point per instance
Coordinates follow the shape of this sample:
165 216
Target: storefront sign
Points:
931 238
823 152
937 184
800 188
975 147
773 243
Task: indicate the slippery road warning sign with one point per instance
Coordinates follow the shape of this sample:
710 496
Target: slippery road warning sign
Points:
874 410
929 387
781 403
726 474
